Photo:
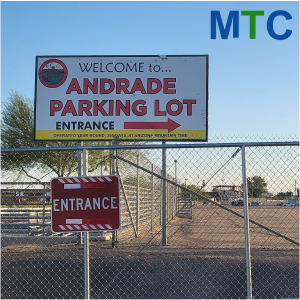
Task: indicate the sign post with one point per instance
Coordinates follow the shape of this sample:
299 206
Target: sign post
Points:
80 161
86 242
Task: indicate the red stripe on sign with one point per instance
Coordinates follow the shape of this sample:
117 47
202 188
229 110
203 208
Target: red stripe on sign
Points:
84 179
84 227
94 221
93 185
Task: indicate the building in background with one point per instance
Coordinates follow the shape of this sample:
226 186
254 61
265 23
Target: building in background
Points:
222 193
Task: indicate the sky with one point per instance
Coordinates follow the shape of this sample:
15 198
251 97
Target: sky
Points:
253 83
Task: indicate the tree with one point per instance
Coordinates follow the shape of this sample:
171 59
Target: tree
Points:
256 186
197 190
17 125
284 195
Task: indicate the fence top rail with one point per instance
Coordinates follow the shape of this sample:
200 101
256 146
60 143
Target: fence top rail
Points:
26 182
152 146
31 190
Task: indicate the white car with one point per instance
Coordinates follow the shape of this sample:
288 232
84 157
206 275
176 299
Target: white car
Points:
291 202
288 204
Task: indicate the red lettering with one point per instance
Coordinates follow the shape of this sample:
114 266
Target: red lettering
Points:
189 104
87 84
111 107
156 109
84 106
149 85
98 107
139 111
103 81
125 109
69 108
168 85
55 105
138 86
74 87
120 86
179 107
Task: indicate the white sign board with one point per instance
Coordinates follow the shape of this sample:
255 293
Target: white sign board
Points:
131 97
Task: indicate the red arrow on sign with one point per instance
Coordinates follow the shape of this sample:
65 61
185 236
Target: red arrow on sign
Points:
170 125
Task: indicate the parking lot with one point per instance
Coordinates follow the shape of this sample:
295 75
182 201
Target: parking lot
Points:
205 258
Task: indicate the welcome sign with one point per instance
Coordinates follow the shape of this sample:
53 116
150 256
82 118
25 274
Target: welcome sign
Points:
129 97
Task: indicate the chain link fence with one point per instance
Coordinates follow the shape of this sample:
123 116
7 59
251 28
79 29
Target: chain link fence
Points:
205 255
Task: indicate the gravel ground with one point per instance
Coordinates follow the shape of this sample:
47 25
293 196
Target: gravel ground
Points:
204 259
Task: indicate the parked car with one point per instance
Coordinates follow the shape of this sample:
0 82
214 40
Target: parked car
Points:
238 203
255 203
291 202
288 204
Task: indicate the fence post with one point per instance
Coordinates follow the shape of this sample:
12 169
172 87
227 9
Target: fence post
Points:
137 193
114 240
86 240
246 222
161 199
152 194
28 221
79 240
164 197
114 158
44 208
175 199
167 200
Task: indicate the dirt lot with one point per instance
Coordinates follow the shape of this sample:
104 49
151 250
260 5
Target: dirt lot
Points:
205 258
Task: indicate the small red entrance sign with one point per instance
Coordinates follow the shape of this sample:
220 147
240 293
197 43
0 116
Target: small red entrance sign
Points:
84 204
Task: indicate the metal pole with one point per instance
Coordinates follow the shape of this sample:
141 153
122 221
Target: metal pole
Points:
113 171
152 195
79 156
164 198
168 199
246 222
177 188
113 158
44 207
86 241
295 197
137 194
161 199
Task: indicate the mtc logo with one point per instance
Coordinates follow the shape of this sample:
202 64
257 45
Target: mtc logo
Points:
233 19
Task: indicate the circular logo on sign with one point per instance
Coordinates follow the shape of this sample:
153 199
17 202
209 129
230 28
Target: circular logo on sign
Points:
53 73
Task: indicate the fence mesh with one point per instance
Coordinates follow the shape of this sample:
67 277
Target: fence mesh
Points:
205 252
